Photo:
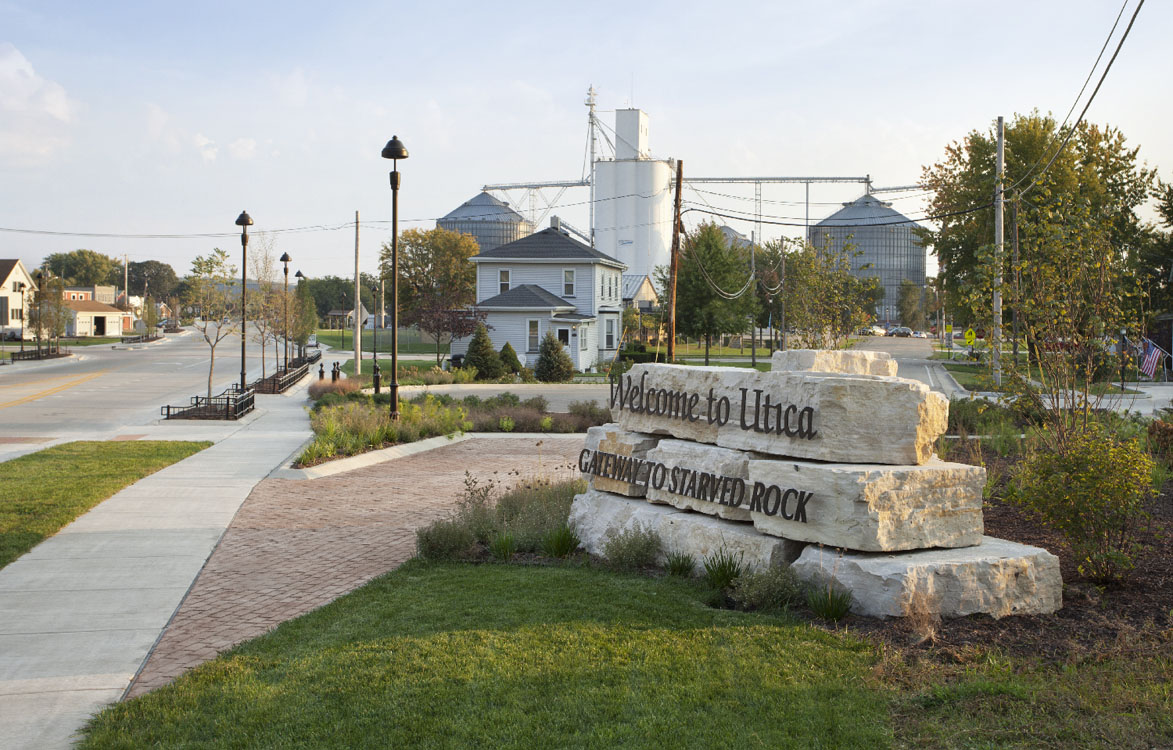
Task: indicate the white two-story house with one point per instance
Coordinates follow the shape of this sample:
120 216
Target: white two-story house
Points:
16 296
550 282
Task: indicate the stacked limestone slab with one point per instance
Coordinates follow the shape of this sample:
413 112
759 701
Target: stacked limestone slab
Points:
824 463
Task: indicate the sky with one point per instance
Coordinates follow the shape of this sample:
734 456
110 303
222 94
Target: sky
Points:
167 118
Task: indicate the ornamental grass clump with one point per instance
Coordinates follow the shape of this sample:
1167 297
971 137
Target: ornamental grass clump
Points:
445 540
560 543
680 564
773 589
1093 490
357 426
722 568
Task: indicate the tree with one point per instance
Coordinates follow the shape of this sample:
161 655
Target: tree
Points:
149 276
264 302
911 305
1096 169
210 296
825 302
712 298
49 313
482 356
509 359
435 278
554 364
303 315
83 267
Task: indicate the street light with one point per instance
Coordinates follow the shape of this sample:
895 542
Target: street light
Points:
20 287
285 336
376 376
244 221
300 277
394 150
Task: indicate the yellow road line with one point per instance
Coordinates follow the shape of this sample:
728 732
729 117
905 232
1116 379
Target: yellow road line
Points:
47 379
51 391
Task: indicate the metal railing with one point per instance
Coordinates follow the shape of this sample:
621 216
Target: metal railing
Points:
231 404
282 380
45 351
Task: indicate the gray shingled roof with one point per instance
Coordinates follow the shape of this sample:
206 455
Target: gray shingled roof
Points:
631 284
864 211
528 296
548 244
484 207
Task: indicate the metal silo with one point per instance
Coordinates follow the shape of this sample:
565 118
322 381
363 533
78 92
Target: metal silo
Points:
491 221
889 249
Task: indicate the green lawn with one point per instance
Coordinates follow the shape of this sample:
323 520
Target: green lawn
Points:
518 656
42 492
410 341
497 656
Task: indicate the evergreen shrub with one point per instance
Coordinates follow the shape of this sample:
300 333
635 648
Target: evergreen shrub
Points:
482 356
554 364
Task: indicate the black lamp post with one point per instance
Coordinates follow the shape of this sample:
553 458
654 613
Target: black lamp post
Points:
300 277
244 221
394 150
376 375
285 336
20 287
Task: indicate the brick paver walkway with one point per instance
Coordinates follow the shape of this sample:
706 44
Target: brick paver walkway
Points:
296 545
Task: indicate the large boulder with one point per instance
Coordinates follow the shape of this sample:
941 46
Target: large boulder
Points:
847 361
996 578
613 459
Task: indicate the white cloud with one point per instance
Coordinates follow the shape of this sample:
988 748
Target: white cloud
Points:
206 146
243 148
37 109
293 89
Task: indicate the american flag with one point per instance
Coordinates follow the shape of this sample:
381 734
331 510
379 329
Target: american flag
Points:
1152 355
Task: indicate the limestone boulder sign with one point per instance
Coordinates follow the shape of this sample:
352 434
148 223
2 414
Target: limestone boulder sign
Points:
813 415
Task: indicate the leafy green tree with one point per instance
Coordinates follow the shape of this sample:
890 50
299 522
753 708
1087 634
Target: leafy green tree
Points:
712 298
825 301
1096 176
211 299
911 305
509 359
436 280
151 275
554 364
483 356
303 315
49 313
84 267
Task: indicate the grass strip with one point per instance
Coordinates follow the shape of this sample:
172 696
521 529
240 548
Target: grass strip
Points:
44 491
449 655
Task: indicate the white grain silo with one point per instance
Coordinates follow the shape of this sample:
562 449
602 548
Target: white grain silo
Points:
633 199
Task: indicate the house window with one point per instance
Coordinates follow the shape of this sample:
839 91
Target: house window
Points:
532 339
582 338
568 282
503 280
610 333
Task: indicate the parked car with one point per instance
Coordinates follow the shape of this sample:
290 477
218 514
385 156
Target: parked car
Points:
312 341
902 331
919 335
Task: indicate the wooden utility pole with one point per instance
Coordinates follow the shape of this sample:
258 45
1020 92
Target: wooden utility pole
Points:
674 265
126 280
357 306
996 339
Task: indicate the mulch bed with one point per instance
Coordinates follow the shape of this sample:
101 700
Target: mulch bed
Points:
1096 619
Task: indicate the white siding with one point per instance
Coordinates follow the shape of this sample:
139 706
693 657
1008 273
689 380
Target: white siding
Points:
546 275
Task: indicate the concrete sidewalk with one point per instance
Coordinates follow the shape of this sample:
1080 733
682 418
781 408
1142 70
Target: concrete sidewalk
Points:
82 610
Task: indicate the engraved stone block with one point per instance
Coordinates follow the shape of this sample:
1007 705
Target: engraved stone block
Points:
868 507
620 454
701 477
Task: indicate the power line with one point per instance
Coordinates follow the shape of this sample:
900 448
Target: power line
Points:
1083 88
1092 98
934 217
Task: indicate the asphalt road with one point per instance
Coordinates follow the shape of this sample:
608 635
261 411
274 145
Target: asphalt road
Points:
104 390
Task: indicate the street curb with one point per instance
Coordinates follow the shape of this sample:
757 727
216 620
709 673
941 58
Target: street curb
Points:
374 458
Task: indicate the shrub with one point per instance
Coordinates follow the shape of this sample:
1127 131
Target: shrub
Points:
633 549
534 509
537 402
560 542
444 540
554 364
357 426
503 546
1161 439
341 387
509 359
505 423
772 589
476 510
1093 491
680 564
546 424
482 356
722 568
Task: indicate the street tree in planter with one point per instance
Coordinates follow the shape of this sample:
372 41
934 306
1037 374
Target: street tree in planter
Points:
554 364
483 356
211 296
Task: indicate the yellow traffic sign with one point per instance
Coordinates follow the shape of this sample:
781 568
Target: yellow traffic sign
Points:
948 328
970 336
